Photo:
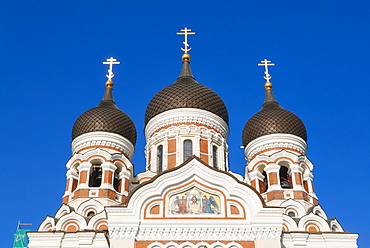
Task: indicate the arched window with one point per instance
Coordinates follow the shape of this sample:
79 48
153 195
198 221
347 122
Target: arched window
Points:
116 180
75 179
188 149
285 179
95 175
215 165
264 185
291 214
91 214
159 158
334 228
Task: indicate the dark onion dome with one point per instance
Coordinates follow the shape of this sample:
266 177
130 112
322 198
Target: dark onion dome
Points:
105 117
272 119
186 92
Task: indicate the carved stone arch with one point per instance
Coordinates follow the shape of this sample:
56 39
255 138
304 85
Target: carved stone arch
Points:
47 225
187 245
335 226
234 245
90 205
305 169
283 155
313 219
63 210
235 209
203 245
154 209
307 162
155 245
97 153
97 221
119 157
292 204
171 245
72 219
318 210
217 245
289 223
77 157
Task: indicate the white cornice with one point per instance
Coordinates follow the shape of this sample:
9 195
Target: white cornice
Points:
187 115
227 233
275 141
112 140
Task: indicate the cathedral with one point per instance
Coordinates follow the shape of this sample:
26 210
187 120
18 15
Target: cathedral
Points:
188 197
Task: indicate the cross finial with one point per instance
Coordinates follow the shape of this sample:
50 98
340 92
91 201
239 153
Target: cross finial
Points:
111 61
186 31
266 63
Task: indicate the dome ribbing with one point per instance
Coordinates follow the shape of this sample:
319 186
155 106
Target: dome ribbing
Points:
273 119
105 117
186 92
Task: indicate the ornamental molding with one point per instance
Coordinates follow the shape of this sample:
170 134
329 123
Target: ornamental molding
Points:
186 130
340 235
111 140
46 235
123 232
275 141
206 233
186 115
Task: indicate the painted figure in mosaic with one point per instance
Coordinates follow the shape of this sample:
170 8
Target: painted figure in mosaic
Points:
206 205
182 205
194 204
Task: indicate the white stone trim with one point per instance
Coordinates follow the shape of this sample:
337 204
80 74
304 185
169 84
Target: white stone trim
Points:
186 115
187 244
112 140
91 203
227 233
279 140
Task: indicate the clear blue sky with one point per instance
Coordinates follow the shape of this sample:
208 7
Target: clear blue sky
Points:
51 72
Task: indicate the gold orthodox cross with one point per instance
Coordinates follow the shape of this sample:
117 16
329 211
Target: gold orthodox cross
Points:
111 62
266 64
186 32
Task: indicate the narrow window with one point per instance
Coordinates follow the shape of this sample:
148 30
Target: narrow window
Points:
188 149
95 175
215 165
264 184
159 158
285 179
116 181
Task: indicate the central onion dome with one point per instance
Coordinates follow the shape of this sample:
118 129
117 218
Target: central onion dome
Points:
272 119
186 92
105 117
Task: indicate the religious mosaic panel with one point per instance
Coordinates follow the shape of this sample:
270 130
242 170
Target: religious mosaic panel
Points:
194 202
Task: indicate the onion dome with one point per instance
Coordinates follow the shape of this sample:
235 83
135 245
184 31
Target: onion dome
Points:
272 119
105 117
186 92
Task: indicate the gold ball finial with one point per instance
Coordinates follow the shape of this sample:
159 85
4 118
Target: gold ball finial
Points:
185 57
268 85
109 83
